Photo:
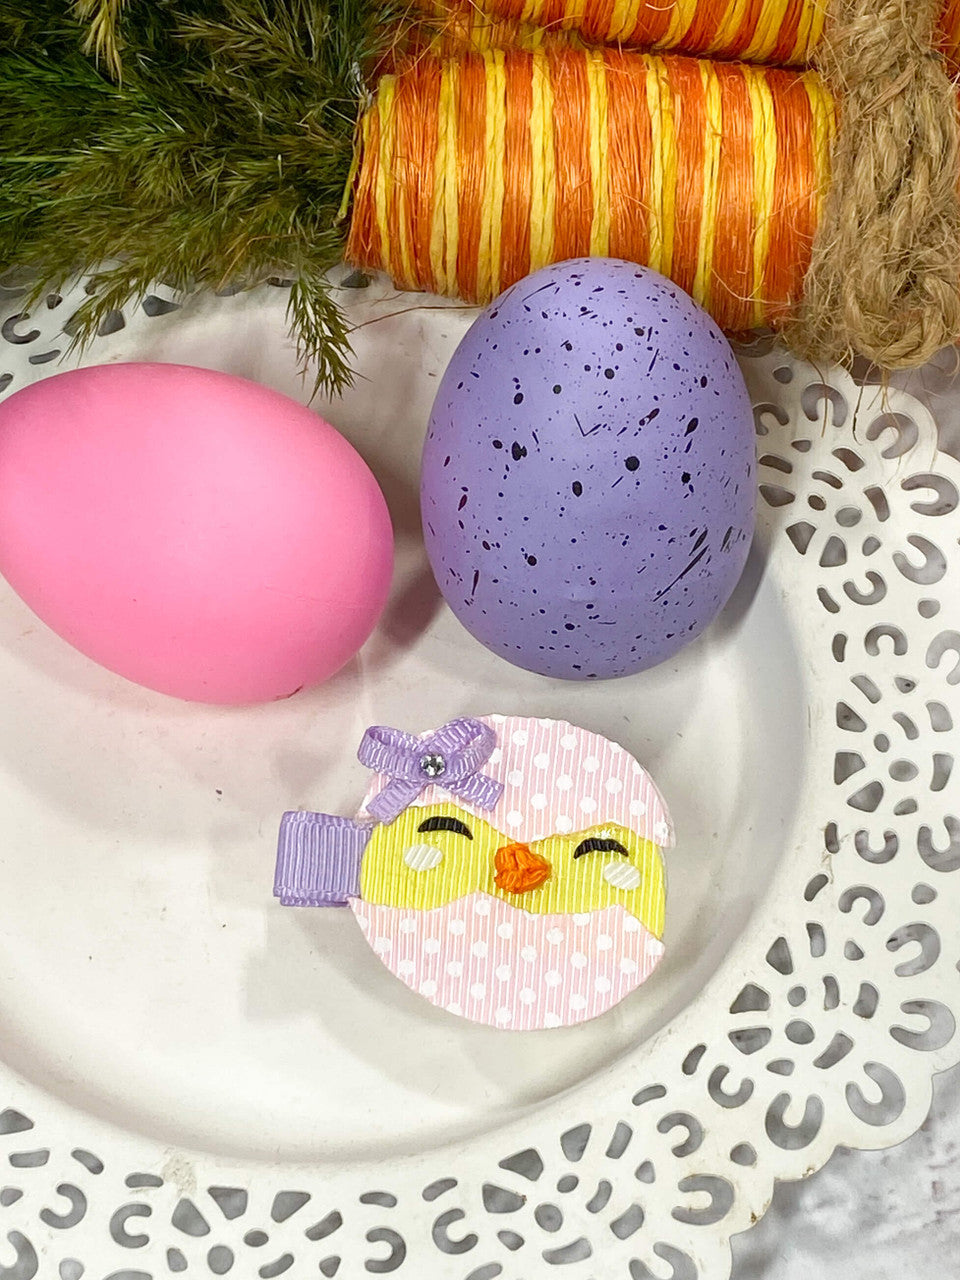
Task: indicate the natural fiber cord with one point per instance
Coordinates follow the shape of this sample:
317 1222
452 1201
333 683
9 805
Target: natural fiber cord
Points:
884 280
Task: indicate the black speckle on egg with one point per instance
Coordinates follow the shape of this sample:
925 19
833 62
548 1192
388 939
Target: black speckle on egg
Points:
531 560
518 398
608 373
577 488
497 444
557 389
632 463
517 451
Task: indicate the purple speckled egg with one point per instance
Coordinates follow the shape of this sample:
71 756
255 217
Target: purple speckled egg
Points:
587 488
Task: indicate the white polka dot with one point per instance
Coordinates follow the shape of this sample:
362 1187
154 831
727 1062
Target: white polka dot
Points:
405 968
456 927
563 824
455 968
482 907
455 1008
497 719
632 925
527 995
582 918
604 942
515 778
478 990
544 722
505 930
361 919
622 875
528 953
638 808
661 831
554 936
628 965
552 1020
423 857
577 1002
553 978
504 1014
503 973
479 949
614 786
590 765
539 801
408 926
614 748
564 782
602 984
431 946
588 805
495 756
637 767
578 960
428 988
514 818
382 945
519 737
568 741
541 760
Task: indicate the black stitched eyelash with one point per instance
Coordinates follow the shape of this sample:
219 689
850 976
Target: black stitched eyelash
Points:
441 823
597 844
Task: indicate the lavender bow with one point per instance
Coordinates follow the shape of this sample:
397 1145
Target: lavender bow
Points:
450 758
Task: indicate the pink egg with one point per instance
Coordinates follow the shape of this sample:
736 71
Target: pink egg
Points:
197 533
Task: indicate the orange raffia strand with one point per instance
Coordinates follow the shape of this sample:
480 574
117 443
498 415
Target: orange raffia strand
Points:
732 285
478 169
950 42
795 204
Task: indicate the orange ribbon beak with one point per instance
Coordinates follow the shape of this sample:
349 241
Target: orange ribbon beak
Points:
519 868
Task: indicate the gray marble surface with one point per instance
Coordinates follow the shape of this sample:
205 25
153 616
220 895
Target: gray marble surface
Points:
869 1215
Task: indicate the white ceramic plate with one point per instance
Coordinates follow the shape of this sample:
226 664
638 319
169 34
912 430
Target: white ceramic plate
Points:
161 1012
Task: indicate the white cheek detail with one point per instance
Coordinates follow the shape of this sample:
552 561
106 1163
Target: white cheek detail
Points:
423 857
622 875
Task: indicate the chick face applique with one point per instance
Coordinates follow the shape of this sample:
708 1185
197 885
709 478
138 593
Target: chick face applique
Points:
508 869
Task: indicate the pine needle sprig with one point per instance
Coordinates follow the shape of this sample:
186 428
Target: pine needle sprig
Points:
219 157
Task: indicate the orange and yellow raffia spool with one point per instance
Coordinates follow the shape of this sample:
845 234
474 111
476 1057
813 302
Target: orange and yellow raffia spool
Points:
480 169
774 32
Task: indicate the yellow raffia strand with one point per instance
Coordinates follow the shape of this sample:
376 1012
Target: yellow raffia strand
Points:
823 113
386 99
764 175
712 138
491 208
623 19
729 26
444 172
772 15
684 12
597 116
663 165
543 169
451 186
468 865
532 9
810 30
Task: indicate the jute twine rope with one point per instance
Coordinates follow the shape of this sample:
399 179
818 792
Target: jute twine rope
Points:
884 280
